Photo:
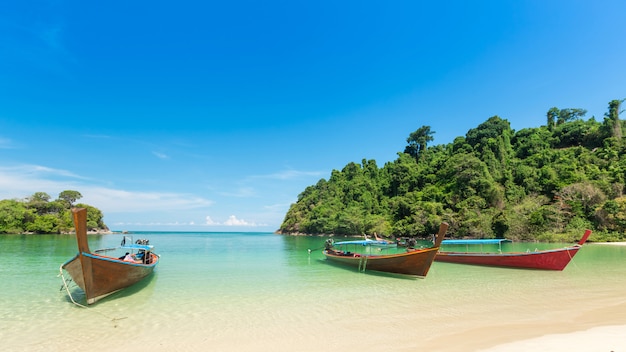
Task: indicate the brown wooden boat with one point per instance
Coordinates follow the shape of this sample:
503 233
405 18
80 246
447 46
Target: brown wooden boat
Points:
551 259
413 262
100 275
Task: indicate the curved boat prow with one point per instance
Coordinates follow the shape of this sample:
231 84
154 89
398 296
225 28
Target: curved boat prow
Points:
442 233
80 225
585 237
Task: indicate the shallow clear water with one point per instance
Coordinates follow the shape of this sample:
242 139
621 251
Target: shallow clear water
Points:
253 291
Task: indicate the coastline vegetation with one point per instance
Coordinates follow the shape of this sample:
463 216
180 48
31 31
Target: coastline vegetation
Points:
38 214
547 184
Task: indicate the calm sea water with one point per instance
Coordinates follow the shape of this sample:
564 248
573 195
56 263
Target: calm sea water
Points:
265 292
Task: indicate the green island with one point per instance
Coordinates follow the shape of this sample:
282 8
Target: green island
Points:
544 184
38 214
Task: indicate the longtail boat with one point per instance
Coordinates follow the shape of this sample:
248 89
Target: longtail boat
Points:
100 275
412 262
551 259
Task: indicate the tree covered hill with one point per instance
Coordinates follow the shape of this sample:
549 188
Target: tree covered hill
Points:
545 183
40 215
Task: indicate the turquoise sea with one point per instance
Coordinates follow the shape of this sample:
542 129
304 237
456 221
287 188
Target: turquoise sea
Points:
265 292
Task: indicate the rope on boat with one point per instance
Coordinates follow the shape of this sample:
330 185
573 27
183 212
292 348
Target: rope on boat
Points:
313 250
105 250
362 263
67 288
571 259
69 293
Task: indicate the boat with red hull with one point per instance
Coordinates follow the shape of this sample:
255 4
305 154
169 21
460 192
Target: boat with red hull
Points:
412 262
100 275
552 259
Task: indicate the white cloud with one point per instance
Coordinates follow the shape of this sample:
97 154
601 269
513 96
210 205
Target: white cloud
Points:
116 201
210 221
122 208
29 171
233 221
22 181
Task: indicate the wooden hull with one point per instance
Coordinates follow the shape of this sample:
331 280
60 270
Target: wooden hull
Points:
102 276
544 260
555 259
98 275
414 262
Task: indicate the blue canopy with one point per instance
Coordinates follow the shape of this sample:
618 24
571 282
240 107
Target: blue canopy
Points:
480 241
138 246
364 242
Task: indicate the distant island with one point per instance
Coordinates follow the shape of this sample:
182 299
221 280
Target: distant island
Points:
548 183
38 214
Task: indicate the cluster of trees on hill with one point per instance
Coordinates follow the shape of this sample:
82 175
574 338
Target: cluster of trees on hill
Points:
545 183
40 215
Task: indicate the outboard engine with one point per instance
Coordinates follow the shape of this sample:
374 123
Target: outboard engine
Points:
411 242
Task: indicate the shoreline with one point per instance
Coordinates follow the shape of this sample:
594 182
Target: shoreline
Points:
611 243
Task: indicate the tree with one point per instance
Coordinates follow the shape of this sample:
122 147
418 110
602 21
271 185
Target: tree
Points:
12 215
44 224
553 115
582 198
37 214
418 141
613 118
39 202
525 185
94 217
39 197
69 197
567 115
575 133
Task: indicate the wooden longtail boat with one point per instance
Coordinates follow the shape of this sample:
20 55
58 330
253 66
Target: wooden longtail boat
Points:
552 259
100 275
413 262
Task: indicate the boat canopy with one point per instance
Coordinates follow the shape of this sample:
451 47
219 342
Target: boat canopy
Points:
480 241
362 242
145 247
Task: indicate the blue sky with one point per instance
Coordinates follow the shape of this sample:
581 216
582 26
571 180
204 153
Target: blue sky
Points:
214 116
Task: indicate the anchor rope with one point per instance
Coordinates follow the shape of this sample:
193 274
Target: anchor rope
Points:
69 293
67 288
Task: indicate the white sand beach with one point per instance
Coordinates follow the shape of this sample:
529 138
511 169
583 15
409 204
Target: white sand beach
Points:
612 243
605 338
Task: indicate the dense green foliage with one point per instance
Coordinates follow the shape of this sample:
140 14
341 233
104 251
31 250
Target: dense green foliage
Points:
38 214
545 183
